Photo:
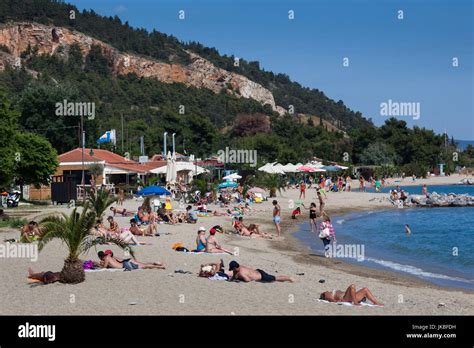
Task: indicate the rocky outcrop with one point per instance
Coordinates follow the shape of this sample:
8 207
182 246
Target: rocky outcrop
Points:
201 73
441 200
466 181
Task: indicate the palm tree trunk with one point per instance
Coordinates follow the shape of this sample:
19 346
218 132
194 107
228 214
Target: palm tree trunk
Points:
72 272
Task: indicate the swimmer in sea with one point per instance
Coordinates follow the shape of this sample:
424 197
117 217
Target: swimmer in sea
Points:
407 229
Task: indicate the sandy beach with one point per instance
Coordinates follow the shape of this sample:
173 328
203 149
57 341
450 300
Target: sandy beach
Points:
164 292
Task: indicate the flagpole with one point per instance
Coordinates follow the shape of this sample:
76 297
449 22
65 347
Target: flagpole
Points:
83 182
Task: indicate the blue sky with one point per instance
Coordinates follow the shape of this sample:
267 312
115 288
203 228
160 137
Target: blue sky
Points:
407 60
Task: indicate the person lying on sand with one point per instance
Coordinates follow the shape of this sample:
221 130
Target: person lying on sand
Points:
122 212
108 260
44 277
351 295
248 274
252 230
212 246
213 268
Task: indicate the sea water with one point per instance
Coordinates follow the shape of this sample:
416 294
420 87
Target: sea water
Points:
440 248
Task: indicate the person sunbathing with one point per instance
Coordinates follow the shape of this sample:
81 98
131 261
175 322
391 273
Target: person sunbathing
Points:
248 274
30 232
251 230
44 277
146 230
351 296
122 212
213 268
212 246
108 260
201 240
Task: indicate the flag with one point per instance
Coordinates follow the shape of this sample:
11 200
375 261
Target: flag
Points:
107 137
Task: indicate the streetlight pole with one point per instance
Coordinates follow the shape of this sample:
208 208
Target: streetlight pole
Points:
165 134
173 142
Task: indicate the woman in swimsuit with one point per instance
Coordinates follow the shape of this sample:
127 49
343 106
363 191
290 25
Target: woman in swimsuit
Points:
312 216
212 246
201 241
351 296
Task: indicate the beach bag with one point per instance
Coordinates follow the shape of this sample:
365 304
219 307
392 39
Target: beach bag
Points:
89 264
324 233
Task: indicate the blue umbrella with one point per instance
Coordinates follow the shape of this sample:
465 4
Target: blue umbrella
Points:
331 168
226 184
153 191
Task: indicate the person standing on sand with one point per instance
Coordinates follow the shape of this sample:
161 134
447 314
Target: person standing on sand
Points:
321 201
276 216
303 190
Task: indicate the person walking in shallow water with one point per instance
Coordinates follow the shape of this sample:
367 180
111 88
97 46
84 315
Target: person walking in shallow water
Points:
312 217
326 233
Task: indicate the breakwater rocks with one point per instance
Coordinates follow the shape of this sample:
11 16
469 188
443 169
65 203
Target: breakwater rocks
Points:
466 181
441 200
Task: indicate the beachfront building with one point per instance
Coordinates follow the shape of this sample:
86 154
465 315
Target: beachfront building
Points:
117 171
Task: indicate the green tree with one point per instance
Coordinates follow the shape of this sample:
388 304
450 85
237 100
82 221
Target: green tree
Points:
100 200
75 231
37 160
8 128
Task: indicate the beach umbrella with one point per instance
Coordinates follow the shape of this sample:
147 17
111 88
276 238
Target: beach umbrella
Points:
256 190
290 168
233 176
267 168
310 169
331 168
227 184
153 191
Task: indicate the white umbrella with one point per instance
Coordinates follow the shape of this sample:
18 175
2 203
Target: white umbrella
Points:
233 176
266 167
290 168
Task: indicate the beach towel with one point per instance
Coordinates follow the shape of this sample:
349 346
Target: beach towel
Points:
104 270
349 303
198 253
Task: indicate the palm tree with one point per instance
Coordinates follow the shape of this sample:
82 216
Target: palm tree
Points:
100 200
272 182
75 231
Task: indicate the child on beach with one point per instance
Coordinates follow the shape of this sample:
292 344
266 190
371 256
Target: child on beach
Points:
302 190
295 213
326 233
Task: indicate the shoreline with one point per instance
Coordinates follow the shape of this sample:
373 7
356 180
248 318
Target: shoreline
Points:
391 276
158 292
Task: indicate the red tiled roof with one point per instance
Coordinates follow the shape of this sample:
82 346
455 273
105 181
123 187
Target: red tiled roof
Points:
111 159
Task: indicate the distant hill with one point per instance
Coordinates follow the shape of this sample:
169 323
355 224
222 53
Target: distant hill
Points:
168 49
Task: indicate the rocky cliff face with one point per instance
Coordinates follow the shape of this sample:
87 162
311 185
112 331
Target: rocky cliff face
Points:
201 73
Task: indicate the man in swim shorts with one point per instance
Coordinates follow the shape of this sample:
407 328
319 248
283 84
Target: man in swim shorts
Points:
276 216
44 277
248 274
